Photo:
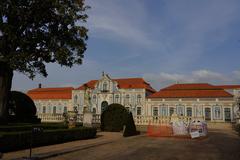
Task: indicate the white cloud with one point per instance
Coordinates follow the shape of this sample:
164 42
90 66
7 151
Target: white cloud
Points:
199 76
119 21
236 74
196 27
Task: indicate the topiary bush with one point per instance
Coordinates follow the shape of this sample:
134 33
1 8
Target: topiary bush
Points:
22 107
114 118
237 128
130 128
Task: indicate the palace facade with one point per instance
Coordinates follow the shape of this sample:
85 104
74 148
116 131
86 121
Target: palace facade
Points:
213 103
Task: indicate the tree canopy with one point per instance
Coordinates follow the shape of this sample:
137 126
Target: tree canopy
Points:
36 32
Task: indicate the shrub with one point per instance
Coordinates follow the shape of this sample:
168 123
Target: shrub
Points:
113 118
23 108
28 127
237 128
130 128
21 140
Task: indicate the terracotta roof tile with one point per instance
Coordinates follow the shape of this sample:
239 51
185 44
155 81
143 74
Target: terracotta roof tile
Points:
51 93
229 86
191 91
126 83
191 86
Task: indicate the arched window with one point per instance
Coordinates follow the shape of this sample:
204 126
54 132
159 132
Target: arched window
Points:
104 106
54 110
139 98
44 109
105 86
117 99
75 99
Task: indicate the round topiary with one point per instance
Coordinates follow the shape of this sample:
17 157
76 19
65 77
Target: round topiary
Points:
114 118
21 105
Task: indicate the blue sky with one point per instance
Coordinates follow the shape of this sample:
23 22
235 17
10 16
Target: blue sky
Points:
163 41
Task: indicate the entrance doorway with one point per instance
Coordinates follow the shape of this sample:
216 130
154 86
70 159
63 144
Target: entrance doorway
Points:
104 106
207 114
227 114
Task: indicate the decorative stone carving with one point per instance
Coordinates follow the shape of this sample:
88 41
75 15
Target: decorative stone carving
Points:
87 119
72 119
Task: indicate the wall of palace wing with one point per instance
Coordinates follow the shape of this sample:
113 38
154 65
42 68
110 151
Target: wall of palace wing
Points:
215 110
132 99
56 106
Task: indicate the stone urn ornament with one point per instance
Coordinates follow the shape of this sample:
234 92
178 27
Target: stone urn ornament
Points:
87 115
72 119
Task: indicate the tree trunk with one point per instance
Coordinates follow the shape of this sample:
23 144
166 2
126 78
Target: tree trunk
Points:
6 75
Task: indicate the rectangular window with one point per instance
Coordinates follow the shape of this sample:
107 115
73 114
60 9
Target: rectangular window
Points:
117 99
139 110
180 110
44 109
171 110
65 110
198 111
217 112
189 111
155 111
163 110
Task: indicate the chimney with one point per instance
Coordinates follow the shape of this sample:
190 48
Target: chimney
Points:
39 85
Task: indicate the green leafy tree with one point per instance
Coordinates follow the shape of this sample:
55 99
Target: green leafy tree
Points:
36 32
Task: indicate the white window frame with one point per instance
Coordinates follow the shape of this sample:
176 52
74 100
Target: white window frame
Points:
117 98
54 111
139 98
163 110
105 86
198 110
155 111
44 109
139 109
217 112
75 99
180 108
127 99
187 111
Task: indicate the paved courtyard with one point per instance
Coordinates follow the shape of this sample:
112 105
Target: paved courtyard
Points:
221 144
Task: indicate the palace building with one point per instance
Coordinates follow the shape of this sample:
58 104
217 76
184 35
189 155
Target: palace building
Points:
213 103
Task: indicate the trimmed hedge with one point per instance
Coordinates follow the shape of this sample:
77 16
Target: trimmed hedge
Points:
21 140
114 118
25 106
130 128
237 128
28 127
